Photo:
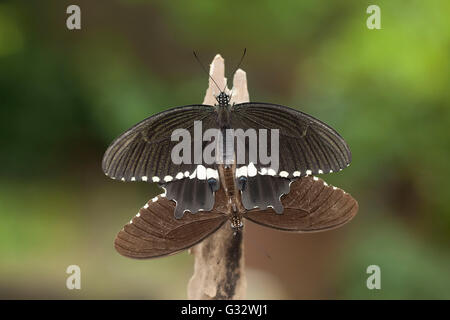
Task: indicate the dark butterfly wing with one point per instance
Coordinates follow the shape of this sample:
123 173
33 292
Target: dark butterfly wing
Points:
306 145
154 232
263 192
143 152
191 195
311 205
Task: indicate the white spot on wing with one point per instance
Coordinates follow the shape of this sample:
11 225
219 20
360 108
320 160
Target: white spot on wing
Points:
308 172
201 172
144 178
146 206
155 179
133 178
320 171
168 178
296 174
211 173
179 175
251 170
284 174
241 172
271 172
315 178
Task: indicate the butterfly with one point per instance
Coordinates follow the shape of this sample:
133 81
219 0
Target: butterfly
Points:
305 146
213 161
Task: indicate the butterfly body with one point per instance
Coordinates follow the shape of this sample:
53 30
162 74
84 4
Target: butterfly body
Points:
235 210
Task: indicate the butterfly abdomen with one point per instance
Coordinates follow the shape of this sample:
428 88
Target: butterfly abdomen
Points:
233 198
228 180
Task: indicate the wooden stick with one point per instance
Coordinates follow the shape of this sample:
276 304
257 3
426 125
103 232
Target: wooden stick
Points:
219 259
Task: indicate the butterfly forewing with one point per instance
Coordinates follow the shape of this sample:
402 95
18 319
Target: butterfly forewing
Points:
154 232
311 205
306 145
145 149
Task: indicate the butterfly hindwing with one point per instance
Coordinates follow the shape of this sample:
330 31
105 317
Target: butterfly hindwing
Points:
263 192
154 232
311 205
191 195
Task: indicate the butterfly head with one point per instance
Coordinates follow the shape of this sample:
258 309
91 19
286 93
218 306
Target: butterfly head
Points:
223 99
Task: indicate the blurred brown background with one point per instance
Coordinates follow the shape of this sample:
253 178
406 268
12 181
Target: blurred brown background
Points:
65 95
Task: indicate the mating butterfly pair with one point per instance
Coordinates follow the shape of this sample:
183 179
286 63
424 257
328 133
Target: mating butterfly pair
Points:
288 197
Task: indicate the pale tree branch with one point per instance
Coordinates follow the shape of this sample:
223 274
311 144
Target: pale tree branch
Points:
219 259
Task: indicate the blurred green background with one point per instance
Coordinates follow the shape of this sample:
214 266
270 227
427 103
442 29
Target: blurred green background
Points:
65 95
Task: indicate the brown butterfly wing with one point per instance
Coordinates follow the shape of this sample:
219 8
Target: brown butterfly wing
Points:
311 205
154 232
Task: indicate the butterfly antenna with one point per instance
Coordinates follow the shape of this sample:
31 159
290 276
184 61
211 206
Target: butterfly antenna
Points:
204 69
239 64
242 58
